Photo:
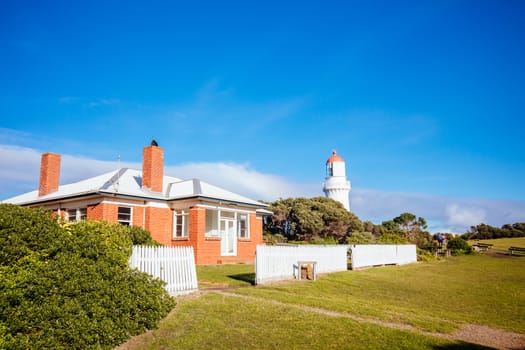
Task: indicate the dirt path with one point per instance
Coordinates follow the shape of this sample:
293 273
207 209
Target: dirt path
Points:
482 335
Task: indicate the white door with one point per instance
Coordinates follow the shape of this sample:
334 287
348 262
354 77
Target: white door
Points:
228 237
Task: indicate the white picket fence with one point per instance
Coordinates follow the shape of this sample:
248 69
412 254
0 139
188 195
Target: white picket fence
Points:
173 265
280 262
366 255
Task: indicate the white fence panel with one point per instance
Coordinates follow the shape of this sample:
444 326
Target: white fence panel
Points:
366 255
280 262
173 265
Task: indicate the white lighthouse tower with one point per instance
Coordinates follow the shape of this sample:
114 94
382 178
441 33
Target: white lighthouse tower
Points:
336 185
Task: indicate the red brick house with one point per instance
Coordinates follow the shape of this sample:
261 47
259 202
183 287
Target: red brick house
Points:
221 226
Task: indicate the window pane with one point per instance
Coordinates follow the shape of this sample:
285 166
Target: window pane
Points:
124 215
180 219
211 223
71 215
243 226
82 213
227 214
186 225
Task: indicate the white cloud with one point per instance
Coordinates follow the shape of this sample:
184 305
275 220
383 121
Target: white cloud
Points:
239 178
20 172
464 216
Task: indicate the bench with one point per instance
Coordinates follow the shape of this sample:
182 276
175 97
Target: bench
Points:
517 250
483 246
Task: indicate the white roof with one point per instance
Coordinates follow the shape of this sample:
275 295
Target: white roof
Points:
128 182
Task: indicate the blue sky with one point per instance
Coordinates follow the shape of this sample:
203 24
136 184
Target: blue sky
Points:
423 99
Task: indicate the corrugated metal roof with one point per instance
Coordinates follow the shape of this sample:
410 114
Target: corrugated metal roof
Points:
128 182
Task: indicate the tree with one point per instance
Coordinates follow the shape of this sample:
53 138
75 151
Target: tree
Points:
360 238
409 222
369 226
459 246
484 231
311 218
389 227
410 227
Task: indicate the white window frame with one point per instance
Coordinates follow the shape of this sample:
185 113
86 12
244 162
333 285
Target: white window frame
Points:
123 221
70 217
246 234
181 219
214 232
80 214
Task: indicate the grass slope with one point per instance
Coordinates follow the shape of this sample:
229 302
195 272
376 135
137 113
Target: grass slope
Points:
216 321
502 243
435 296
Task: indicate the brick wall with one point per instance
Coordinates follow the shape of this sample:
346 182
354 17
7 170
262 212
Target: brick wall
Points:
207 249
246 247
103 211
159 221
138 216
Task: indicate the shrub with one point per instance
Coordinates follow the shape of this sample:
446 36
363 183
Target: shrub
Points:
424 255
324 240
272 239
139 236
459 246
24 232
360 238
73 289
390 238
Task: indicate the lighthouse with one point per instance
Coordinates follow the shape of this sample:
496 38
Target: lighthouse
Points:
336 186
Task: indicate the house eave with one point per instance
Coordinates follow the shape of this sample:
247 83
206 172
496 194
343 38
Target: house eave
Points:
95 193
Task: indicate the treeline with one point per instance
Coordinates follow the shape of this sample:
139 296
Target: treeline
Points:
324 220
484 231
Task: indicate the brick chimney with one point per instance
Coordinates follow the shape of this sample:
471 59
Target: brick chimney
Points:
152 167
49 173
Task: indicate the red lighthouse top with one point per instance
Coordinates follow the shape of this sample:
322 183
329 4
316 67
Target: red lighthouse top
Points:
334 158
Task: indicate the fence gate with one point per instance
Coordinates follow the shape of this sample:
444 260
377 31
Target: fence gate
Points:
173 265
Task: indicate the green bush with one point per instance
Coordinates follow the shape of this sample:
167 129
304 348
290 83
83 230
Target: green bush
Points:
390 238
69 286
360 238
272 239
424 255
459 246
139 236
324 240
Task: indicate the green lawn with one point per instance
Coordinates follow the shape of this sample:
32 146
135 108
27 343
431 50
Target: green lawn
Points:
435 297
502 243
225 275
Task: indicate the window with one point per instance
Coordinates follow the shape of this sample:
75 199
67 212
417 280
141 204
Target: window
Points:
243 226
181 224
82 214
73 215
212 223
124 215
214 216
330 169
